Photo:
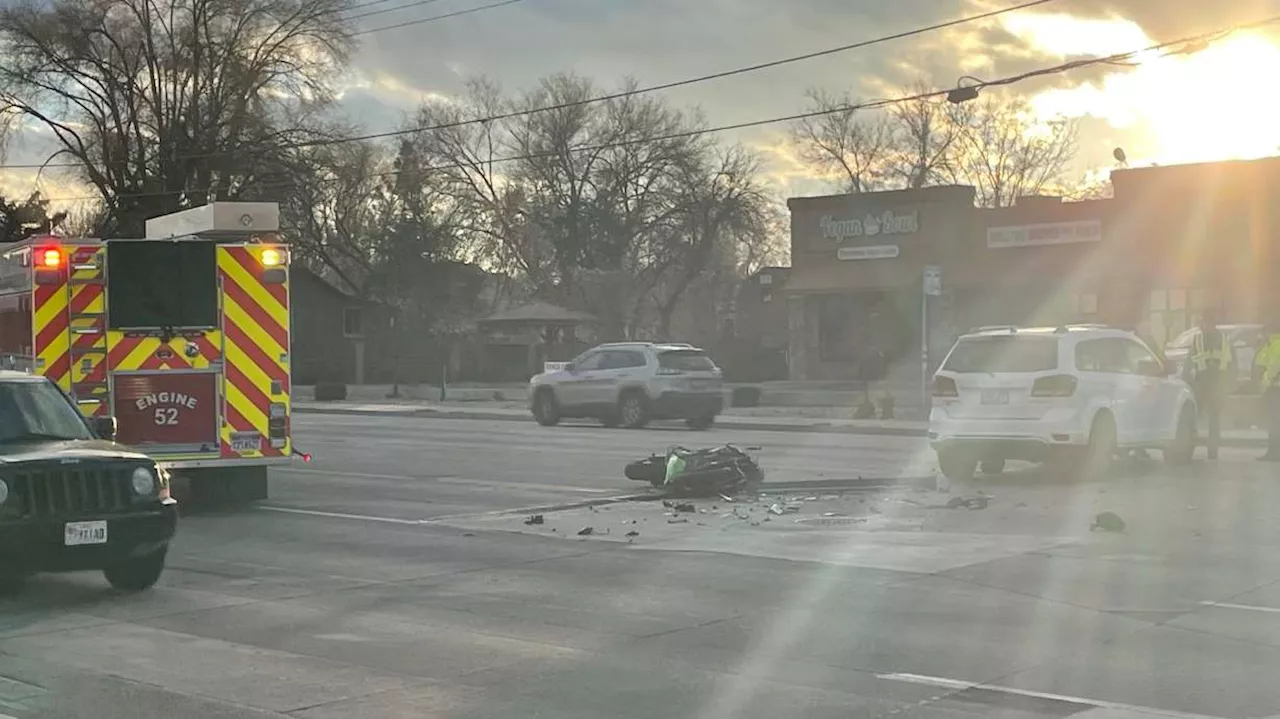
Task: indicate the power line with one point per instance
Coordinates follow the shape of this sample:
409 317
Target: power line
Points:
383 11
434 18
1177 45
621 94
369 3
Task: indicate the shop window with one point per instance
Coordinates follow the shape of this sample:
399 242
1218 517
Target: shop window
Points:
872 327
1159 301
1199 299
1167 313
838 328
352 318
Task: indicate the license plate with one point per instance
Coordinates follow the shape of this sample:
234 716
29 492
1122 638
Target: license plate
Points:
246 442
995 396
78 533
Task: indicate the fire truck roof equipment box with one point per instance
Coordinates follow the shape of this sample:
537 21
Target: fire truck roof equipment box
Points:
217 219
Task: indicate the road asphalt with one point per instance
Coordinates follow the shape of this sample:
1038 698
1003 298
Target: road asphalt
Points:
395 576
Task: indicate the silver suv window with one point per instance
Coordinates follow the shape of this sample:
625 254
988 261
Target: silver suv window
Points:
686 361
589 361
623 359
1003 353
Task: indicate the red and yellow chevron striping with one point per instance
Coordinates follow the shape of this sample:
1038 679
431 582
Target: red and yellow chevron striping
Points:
86 311
51 344
255 321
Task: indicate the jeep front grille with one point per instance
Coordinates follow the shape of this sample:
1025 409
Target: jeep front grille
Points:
69 492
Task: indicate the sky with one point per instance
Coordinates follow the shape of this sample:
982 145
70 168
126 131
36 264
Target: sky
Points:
1201 107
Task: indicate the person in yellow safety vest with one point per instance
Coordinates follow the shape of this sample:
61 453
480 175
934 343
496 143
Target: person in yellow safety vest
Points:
1208 363
1268 360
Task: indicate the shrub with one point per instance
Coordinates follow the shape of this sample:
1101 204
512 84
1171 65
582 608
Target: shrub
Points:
331 391
745 397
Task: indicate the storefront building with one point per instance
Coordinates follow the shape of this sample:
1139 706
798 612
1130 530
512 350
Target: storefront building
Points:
1173 241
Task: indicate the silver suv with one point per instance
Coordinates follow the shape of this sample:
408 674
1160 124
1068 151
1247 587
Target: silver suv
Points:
630 383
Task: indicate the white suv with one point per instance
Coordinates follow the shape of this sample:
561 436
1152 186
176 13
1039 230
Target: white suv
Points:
1041 393
629 383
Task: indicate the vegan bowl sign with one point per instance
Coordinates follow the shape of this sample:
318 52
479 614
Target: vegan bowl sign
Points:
871 225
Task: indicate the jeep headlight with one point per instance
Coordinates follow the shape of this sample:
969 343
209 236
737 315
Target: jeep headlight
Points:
4 491
144 481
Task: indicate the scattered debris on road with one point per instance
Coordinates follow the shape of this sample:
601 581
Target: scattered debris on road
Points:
586 531
535 519
980 501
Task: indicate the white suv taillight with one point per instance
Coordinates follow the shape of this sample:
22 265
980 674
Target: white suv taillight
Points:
945 387
1058 385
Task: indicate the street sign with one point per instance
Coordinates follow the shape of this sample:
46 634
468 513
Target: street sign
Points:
932 280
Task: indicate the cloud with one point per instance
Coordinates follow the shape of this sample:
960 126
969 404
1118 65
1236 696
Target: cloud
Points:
659 41
1169 19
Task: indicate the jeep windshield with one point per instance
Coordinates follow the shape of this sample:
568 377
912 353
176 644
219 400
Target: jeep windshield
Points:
1003 353
36 410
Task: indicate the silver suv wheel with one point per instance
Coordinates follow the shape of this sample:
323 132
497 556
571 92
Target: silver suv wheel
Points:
633 410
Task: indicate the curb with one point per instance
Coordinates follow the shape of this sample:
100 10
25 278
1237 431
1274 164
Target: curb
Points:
721 423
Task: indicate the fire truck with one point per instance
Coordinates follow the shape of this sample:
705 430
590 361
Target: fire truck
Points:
182 337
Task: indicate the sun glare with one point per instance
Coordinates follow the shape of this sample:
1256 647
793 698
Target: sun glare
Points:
1065 35
1210 105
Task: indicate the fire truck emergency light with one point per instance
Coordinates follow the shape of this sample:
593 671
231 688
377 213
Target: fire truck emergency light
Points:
51 257
272 258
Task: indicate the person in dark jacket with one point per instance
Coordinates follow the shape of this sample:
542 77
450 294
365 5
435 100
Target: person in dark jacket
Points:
1208 362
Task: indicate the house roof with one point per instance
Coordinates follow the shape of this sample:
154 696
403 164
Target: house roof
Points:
535 312
300 271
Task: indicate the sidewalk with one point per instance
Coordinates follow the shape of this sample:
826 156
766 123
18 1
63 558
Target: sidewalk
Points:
731 419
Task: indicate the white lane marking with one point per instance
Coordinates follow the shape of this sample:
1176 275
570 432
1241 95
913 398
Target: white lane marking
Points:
1246 607
961 685
452 480
341 515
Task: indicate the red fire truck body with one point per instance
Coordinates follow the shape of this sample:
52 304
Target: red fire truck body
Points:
183 337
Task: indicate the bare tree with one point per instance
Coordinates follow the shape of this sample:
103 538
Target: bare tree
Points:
570 199
1005 154
333 205
166 103
725 216
465 161
854 145
85 219
994 144
924 139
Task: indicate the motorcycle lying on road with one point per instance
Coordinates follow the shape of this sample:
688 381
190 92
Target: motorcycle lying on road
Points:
725 469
